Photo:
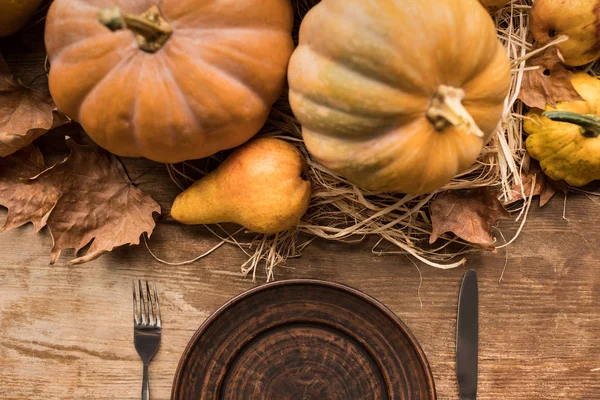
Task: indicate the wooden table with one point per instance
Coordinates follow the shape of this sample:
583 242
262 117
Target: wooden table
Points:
66 332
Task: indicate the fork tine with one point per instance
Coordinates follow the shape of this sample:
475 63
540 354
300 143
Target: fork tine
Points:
150 309
158 322
136 318
143 311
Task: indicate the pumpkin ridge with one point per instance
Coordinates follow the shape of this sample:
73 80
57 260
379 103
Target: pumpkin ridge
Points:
374 132
230 28
226 13
350 144
369 75
235 80
331 105
483 58
82 42
135 134
103 138
169 124
491 97
328 76
211 46
84 5
116 67
394 73
67 14
177 87
234 77
483 67
180 85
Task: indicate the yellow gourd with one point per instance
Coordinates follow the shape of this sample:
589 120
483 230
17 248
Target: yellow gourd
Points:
577 19
565 140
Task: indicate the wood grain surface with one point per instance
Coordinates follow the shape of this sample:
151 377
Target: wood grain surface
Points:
66 332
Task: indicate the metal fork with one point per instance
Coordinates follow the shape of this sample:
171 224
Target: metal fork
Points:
146 327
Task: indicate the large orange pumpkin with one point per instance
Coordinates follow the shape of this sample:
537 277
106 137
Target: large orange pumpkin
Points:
14 14
398 95
169 80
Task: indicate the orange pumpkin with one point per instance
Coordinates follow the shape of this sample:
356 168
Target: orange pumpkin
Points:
14 14
180 81
398 95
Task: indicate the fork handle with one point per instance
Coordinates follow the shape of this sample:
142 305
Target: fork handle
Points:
145 384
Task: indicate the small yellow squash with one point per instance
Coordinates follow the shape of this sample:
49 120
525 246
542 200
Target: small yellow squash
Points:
565 140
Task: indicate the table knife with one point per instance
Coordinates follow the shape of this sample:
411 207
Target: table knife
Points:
467 337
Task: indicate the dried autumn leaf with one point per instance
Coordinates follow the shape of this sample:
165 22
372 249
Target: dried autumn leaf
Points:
25 114
552 187
469 214
16 189
86 198
542 187
550 83
519 192
547 193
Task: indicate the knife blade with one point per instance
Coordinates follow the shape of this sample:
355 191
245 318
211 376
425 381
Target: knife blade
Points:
467 337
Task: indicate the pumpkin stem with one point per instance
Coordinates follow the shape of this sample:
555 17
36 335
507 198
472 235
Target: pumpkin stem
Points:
446 109
589 124
151 30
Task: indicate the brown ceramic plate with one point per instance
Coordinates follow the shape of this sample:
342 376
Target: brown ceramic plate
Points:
303 340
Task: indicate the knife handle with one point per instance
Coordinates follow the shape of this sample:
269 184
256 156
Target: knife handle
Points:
467 337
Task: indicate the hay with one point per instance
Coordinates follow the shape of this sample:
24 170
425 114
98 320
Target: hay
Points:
342 212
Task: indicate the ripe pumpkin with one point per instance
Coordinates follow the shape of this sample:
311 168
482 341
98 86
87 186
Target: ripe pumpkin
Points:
578 19
566 139
14 14
494 5
170 83
398 96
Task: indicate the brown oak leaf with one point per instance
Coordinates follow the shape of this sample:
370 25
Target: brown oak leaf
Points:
550 83
87 198
553 187
542 188
25 113
548 192
469 214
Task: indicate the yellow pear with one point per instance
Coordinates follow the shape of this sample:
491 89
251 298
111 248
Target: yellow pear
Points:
263 186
